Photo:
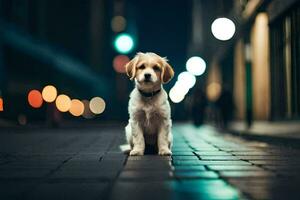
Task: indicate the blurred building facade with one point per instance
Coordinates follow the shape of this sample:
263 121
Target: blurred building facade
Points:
71 45
260 64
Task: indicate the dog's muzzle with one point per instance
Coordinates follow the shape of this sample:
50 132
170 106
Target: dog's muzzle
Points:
147 78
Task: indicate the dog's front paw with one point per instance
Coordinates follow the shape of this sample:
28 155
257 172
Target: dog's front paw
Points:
136 152
165 152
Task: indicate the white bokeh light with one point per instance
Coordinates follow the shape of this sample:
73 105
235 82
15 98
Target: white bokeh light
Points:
181 88
196 65
176 95
186 79
223 28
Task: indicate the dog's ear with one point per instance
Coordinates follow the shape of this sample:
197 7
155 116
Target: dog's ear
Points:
131 68
167 73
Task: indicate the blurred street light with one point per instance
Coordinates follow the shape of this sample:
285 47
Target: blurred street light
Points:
35 98
223 28
213 91
176 95
97 105
119 63
187 79
63 103
49 93
124 43
118 23
77 107
196 65
1 104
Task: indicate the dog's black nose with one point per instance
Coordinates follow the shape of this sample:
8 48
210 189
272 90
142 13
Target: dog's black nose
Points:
147 76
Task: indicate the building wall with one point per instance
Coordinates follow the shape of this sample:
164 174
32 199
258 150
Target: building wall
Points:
239 80
260 67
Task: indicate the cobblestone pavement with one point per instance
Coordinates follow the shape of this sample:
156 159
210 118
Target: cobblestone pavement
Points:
86 163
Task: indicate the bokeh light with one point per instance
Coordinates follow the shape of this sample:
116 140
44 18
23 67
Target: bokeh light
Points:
118 23
213 91
124 43
119 63
35 98
49 93
63 103
176 95
182 88
97 105
196 65
223 28
187 79
77 107
1 104
87 113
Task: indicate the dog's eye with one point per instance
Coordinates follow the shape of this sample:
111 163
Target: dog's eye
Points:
156 68
142 67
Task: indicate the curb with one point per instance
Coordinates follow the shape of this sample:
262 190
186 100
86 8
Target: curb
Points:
294 142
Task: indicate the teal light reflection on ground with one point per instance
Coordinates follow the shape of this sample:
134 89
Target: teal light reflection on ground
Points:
203 189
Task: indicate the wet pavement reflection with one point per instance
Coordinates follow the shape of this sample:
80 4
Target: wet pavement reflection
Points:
67 164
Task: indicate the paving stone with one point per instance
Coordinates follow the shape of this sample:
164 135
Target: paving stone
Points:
147 165
128 190
212 153
63 191
194 157
183 153
145 175
276 162
14 189
264 158
195 174
245 174
234 167
209 162
219 158
189 168
252 153
186 162
282 167
206 149
204 189
228 162
23 173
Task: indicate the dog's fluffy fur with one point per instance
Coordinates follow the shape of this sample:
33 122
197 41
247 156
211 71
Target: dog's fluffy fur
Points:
150 115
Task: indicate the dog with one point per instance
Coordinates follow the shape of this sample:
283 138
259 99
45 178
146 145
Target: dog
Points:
149 109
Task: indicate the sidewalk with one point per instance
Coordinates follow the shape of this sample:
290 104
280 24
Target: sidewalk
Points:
279 132
86 163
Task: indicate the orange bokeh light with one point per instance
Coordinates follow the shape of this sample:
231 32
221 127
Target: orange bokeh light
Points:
63 103
1 104
119 63
49 93
77 107
35 98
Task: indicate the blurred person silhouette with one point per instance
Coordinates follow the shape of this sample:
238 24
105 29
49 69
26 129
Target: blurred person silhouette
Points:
225 106
199 102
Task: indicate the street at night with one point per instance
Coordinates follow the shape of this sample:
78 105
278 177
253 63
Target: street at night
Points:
87 163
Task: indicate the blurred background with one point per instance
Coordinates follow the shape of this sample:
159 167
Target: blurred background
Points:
63 61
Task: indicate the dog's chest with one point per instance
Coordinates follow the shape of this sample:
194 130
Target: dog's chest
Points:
150 119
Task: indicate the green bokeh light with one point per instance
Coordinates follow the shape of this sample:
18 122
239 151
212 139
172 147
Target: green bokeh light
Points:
124 43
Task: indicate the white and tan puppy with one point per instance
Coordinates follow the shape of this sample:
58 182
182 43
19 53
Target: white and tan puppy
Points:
149 110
